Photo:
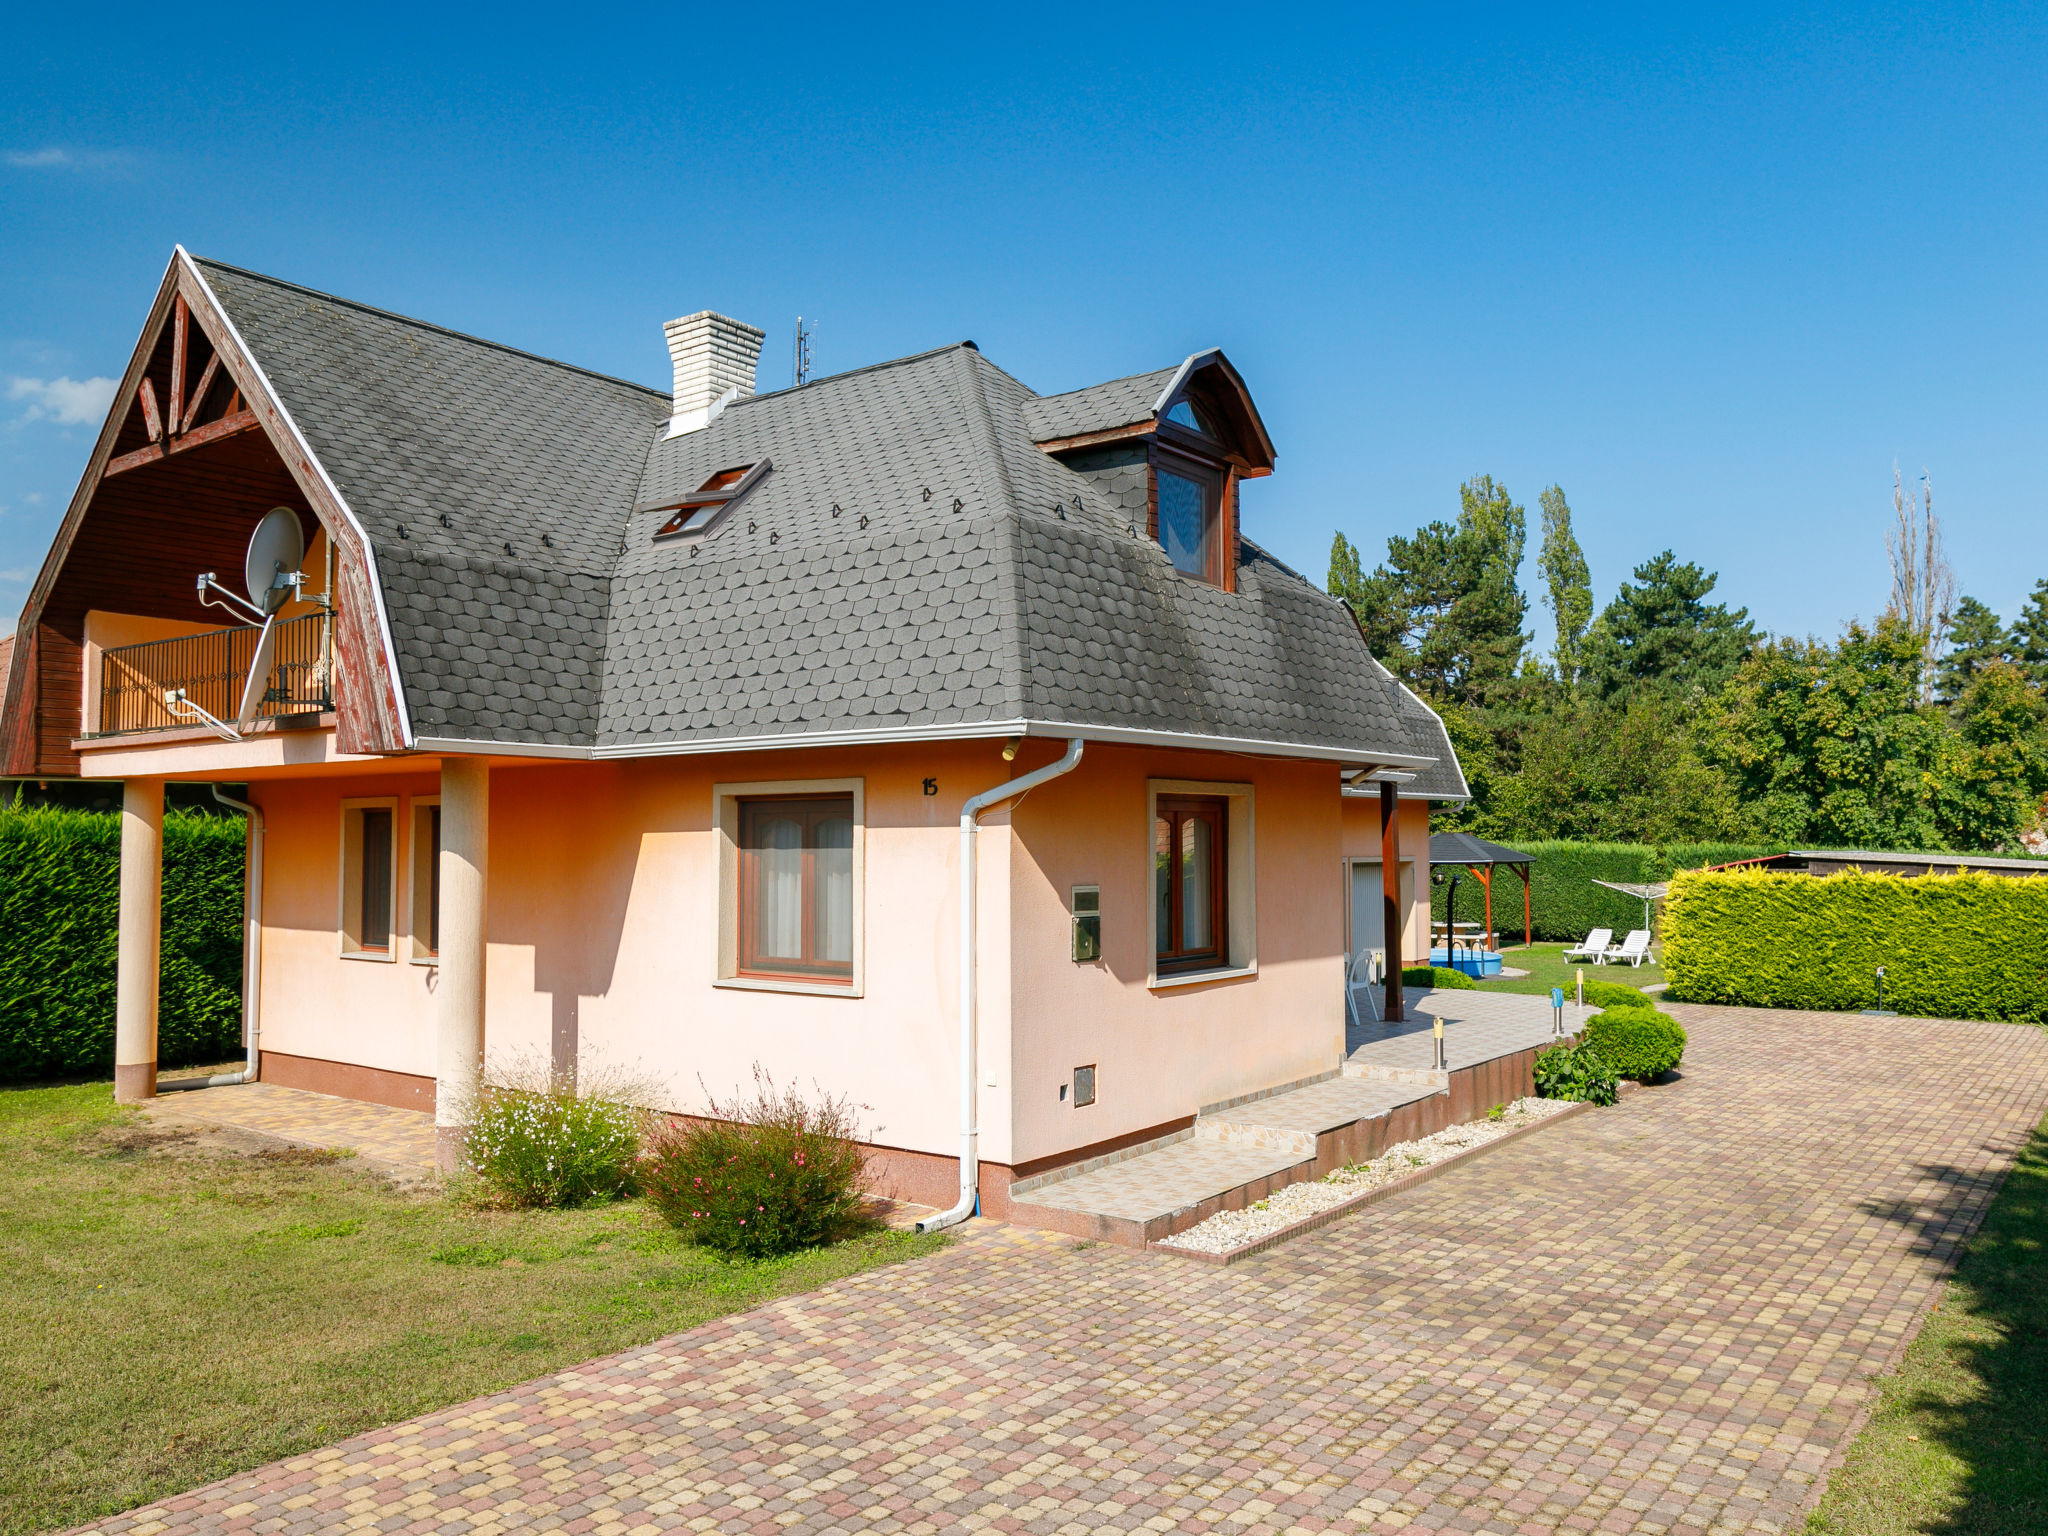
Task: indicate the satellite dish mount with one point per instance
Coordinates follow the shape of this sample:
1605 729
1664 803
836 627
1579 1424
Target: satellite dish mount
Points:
271 573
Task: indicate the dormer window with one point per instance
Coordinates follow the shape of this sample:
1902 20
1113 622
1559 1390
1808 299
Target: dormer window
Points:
704 508
1190 515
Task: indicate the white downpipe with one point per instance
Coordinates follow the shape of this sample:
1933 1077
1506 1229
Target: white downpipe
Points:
970 1097
252 957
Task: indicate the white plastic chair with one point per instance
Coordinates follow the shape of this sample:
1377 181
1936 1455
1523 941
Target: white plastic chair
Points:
1375 962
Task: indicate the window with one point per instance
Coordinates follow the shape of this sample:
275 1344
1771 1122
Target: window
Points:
1087 923
791 908
1189 872
369 877
426 879
1185 413
1190 506
1202 912
701 511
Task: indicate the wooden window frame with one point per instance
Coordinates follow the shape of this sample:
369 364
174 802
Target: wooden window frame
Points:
727 803
1239 935
421 904
1170 956
751 963
348 915
1219 474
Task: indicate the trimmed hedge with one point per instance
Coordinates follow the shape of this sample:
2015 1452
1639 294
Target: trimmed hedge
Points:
1636 1042
60 896
1566 904
1966 946
1439 977
1614 994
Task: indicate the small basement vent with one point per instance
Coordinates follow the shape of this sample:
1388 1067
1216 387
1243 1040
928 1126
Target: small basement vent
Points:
1084 1086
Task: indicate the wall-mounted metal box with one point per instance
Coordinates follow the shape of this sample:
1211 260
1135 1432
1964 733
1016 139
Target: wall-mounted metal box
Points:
1087 922
1084 1086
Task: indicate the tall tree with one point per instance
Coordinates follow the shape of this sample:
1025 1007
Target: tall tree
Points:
1976 639
2028 643
1569 584
1989 794
1661 633
1444 611
1923 586
1826 744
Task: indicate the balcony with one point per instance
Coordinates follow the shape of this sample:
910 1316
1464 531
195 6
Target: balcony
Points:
211 670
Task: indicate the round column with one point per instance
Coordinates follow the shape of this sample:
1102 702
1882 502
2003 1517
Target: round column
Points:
459 996
140 941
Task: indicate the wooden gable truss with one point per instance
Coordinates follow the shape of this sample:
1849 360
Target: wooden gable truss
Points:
196 446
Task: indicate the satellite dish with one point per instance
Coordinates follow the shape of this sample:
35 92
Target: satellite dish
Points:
276 549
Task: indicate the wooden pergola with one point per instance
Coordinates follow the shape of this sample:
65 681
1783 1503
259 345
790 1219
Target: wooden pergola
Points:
1462 849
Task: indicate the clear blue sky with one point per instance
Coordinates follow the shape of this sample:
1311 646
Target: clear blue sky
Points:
1712 274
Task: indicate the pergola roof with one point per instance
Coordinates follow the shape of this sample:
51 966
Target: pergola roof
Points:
1464 848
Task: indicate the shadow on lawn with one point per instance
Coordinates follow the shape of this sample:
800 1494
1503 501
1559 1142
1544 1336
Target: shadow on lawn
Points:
1981 1391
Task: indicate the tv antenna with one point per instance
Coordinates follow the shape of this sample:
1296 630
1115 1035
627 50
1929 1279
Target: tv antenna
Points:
803 353
270 572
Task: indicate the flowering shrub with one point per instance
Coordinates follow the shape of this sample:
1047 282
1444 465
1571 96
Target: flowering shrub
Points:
538 1142
763 1176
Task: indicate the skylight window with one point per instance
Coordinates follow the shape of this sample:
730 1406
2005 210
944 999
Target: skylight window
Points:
700 512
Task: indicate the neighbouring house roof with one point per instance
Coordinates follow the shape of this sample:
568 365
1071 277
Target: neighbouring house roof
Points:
1828 861
911 562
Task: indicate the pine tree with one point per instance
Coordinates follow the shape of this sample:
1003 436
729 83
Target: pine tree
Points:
2028 643
1570 584
1976 639
1662 633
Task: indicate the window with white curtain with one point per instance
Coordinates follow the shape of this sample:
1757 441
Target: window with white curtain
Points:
796 896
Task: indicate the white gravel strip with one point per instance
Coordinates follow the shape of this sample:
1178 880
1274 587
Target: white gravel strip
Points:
1233 1229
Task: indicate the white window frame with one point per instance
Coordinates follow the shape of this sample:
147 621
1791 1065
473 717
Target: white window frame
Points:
725 820
418 899
1240 875
349 883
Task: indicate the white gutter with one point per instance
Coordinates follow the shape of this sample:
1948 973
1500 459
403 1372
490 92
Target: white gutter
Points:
970 1098
252 958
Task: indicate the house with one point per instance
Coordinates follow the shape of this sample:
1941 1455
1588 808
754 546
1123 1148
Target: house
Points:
601 724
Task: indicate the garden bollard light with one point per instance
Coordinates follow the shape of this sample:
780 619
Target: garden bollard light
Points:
1557 1013
1440 1067
1580 988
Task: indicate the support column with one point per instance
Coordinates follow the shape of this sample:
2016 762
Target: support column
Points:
459 996
1390 885
140 940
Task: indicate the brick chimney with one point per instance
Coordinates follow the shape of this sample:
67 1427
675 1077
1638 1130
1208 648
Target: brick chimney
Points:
714 357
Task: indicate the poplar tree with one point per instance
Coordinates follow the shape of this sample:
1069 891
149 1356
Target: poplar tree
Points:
1570 584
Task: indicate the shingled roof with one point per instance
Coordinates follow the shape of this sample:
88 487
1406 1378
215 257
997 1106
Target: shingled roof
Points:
912 564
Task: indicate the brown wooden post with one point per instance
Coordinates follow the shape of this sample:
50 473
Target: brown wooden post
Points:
1485 878
1528 927
1390 886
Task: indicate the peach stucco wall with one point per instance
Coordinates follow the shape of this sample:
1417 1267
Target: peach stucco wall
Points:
1362 841
603 931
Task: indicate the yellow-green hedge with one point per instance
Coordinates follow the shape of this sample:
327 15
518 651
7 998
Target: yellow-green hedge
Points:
1964 946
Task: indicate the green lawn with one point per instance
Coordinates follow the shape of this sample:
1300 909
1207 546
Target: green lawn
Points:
1958 1443
1546 967
170 1316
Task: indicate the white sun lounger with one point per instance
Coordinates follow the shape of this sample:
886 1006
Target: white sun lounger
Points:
1598 942
1633 950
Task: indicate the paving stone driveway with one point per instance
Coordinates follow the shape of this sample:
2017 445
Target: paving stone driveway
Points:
1658 1317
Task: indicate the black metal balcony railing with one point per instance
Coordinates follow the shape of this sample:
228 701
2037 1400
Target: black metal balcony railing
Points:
211 669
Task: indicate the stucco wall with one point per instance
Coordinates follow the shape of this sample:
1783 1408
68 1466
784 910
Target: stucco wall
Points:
603 931
1362 841
1162 1053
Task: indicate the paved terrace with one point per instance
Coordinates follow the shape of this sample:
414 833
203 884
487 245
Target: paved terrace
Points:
1478 1026
1658 1317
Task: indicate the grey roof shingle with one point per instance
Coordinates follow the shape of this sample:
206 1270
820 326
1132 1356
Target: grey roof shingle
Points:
1098 408
911 559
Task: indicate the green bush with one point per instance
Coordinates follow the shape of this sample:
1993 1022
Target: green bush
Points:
547 1145
1614 994
1575 1072
1439 976
1636 1042
1965 946
1563 899
764 1176
60 899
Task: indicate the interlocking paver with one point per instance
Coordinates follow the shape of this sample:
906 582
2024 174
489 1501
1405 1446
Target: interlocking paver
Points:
403 1139
1658 1317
